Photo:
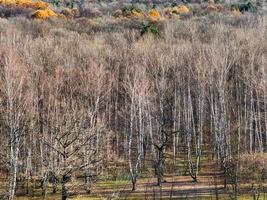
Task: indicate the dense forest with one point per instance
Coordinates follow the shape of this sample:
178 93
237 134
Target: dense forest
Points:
82 102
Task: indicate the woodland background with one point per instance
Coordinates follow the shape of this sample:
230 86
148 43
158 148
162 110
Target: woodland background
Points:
103 100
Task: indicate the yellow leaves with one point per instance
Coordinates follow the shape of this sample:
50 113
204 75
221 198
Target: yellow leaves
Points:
154 15
26 3
43 10
180 9
184 10
40 5
129 12
176 11
7 2
44 14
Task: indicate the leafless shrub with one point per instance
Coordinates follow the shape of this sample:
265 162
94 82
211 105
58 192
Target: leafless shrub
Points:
253 167
100 77
14 11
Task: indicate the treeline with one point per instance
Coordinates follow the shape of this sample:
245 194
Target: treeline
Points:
73 102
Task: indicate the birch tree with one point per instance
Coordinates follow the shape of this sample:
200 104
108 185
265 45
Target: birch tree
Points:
15 99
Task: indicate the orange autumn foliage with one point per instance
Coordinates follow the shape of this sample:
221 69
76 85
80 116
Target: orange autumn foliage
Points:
26 3
43 10
154 15
44 14
40 5
181 9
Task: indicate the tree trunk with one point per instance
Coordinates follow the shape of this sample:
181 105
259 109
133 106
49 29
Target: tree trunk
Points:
14 166
159 167
88 182
133 183
44 185
64 193
55 183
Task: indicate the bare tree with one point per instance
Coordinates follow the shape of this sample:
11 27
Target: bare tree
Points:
15 99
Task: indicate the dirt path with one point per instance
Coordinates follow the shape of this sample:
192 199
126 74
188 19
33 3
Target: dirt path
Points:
181 187
174 187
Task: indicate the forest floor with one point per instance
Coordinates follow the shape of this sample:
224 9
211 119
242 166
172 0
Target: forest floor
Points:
174 188
209 186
